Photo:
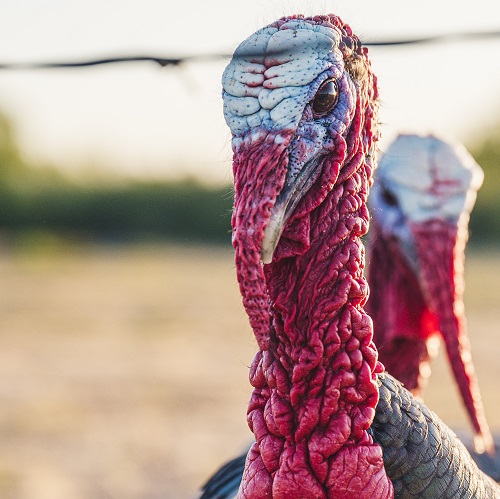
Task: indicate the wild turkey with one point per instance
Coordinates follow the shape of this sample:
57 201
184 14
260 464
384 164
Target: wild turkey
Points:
301 101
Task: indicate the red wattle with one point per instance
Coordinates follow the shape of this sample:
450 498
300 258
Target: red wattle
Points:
259 173
440 250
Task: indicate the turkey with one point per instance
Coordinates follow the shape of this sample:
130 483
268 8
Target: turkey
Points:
424 191
301 102
408 154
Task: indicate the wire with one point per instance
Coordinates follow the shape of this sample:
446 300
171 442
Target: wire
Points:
163 62
450 37
177 61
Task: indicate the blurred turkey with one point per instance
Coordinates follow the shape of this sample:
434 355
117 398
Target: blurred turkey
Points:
424 191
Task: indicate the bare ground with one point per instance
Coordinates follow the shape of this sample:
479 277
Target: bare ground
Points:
123 370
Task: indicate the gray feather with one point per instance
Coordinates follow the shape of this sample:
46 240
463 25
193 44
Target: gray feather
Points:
422 456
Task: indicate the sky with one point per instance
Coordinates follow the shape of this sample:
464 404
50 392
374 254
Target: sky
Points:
143 120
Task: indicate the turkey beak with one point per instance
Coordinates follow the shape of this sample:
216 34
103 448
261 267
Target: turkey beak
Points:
272 233
293 191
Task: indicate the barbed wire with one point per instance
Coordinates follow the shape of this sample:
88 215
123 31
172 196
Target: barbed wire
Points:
448 37
177 61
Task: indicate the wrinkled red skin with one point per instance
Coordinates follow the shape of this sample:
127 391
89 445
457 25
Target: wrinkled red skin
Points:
407 311
440 249
314 382
250 218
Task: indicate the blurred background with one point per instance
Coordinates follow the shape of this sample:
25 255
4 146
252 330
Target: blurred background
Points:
124 349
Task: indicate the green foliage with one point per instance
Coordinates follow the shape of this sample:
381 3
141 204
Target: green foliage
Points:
485 218
184 211
34 199
11 165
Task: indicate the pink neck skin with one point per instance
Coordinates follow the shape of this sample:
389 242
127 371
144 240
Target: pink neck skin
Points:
314 382
402 321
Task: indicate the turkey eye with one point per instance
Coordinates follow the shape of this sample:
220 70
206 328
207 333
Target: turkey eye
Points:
389 198
326 97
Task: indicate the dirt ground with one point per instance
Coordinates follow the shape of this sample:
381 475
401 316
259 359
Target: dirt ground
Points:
123 370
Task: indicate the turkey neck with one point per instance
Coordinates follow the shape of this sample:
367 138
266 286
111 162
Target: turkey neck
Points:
314 392
402 320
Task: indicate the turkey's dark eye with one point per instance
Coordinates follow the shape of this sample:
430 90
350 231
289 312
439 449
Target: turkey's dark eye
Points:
389 198
326 97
